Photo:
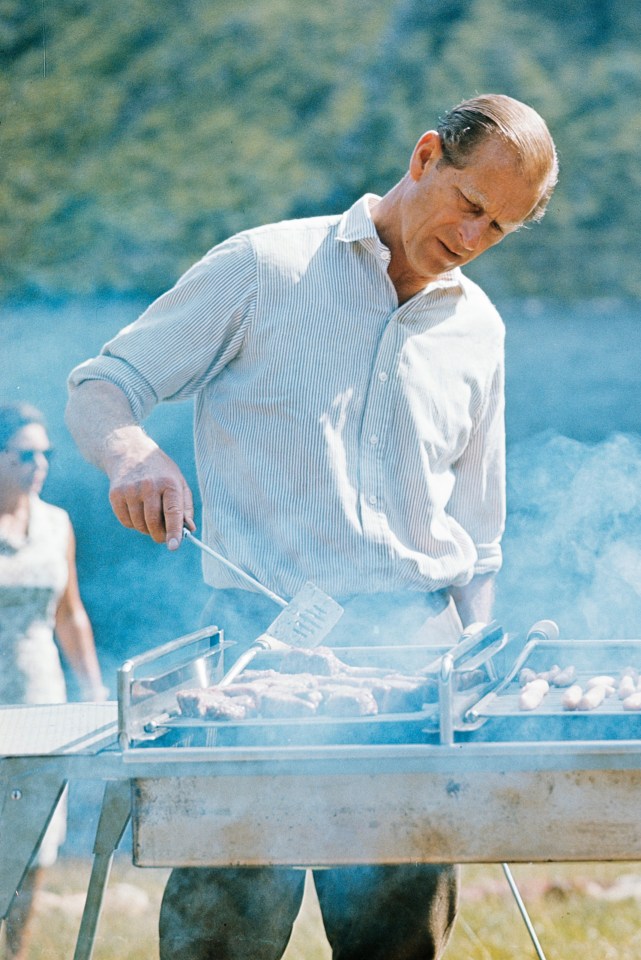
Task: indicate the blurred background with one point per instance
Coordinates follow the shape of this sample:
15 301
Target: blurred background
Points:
134 137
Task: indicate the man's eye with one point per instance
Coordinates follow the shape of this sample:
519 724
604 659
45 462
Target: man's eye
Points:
470 206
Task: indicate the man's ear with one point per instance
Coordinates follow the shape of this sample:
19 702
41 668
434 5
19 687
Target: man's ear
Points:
427 151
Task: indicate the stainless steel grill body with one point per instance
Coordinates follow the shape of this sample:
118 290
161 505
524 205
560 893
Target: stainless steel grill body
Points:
474 782
468 803
456 789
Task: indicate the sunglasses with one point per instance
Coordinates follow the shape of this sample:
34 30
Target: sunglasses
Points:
29 456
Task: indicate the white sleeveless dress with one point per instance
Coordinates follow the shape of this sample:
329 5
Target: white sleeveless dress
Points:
33 577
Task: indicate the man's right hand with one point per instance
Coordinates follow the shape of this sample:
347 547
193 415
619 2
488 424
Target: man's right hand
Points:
148 492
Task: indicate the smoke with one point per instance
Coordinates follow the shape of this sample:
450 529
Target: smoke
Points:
572 546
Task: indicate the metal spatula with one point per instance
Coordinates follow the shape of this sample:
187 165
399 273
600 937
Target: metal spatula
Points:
305 621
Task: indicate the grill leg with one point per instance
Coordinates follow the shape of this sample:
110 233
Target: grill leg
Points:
114 816
27 801
522 910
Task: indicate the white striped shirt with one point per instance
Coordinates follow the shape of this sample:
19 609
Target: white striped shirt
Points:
338 437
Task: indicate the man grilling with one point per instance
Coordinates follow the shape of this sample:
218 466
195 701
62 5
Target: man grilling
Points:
348 385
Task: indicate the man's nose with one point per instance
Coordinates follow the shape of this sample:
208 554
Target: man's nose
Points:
472 231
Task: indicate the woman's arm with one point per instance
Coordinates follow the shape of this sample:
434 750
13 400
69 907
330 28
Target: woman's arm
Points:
75 634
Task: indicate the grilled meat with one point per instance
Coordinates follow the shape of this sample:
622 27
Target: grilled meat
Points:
309 682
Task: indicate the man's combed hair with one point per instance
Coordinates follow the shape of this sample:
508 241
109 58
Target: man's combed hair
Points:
468 125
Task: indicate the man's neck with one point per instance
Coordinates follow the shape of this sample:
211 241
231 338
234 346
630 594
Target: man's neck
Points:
385 218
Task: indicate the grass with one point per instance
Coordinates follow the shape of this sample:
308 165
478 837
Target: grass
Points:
580 912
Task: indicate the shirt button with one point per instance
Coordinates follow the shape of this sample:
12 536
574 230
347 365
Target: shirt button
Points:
373 439
372 500
383 376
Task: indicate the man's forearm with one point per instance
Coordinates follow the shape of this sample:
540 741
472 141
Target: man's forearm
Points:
102 424
475 600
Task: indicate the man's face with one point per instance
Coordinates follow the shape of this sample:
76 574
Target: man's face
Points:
451 216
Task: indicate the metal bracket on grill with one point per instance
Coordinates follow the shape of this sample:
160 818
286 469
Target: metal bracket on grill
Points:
478 644
446 700
147 684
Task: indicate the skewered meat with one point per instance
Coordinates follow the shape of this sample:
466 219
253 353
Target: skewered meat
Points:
349 702
311 681
214 705
592 698
533 693
322 661
605 681
368 672
551 674
564 678
572 697
556 676
527 675
627 686
467 679
279 704
399 694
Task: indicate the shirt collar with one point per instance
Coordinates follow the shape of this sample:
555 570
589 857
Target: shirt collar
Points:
356 225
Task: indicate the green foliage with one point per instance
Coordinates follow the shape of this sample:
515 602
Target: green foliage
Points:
135 137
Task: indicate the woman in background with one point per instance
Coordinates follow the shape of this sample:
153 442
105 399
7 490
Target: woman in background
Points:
39 604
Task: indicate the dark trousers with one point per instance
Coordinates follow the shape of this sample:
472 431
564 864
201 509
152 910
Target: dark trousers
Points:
370 913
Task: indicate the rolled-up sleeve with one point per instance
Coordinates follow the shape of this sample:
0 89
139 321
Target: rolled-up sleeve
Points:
186 336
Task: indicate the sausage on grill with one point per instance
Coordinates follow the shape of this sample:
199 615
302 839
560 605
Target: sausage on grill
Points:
533 693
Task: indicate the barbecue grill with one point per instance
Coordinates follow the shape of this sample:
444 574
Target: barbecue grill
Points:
468 777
